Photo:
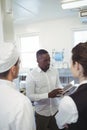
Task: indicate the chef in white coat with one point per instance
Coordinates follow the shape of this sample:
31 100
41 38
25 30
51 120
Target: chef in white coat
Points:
16 112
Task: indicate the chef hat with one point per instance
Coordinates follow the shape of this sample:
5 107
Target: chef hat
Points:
8 56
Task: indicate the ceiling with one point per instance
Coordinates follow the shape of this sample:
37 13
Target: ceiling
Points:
28 11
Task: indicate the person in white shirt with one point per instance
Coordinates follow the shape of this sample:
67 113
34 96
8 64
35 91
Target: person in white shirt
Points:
73 109
42 87
16 112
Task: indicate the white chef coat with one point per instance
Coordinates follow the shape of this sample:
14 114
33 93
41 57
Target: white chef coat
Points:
16 111
68 112
38 85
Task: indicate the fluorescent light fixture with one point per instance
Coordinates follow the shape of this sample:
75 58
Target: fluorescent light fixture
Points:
83 13
69 4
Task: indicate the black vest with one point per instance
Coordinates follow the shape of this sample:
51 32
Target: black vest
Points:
80 99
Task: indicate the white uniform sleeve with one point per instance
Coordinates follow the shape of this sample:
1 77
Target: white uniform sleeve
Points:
67 112
25 117
30 88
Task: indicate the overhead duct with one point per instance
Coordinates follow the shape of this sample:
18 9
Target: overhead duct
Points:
83 16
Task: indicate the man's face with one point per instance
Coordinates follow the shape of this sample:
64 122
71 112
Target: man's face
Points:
44 61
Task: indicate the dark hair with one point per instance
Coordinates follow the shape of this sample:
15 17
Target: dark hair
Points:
41 52
79 54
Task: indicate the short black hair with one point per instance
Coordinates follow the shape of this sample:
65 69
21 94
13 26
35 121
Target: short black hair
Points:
41 52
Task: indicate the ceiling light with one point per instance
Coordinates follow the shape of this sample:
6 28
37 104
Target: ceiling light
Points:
69 4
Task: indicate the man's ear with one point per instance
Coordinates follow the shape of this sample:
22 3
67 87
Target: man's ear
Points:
13 68
77 65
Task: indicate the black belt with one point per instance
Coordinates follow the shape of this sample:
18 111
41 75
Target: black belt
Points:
55 113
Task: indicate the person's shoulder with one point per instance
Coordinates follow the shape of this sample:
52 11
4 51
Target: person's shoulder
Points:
67 101
22 99
34 70
31 72
53 69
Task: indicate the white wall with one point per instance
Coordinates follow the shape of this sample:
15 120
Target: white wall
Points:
56 34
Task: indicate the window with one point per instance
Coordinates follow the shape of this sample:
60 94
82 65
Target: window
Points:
80 36
28 46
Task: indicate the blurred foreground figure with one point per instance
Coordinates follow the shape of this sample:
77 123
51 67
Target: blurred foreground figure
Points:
16 111
73 109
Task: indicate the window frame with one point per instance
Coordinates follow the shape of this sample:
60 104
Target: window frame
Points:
19 47
78 30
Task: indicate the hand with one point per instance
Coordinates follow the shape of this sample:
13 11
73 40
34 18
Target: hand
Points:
54 92
66 127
